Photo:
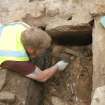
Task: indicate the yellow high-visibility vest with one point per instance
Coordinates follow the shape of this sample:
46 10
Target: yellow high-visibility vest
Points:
11 47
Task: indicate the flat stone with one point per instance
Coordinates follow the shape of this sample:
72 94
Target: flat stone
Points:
2 78
79 18
7 97
98 63
69 29
79 25
98 54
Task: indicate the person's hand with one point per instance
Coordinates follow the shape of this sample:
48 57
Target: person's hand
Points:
61 65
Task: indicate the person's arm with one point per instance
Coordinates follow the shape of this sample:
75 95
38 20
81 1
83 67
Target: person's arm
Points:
46 74
31 71
22 67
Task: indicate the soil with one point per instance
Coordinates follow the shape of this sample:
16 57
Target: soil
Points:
74 85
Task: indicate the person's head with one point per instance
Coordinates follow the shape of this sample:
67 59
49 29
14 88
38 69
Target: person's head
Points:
35 41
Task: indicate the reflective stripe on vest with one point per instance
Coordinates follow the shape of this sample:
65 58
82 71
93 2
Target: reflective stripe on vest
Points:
11 47
13 53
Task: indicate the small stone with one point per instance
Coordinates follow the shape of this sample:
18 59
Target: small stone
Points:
7 97
57 101
99 96
2 78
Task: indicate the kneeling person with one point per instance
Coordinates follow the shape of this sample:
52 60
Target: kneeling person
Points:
24 44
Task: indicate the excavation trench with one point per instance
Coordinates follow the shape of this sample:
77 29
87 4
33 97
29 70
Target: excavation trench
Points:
70 87
74 85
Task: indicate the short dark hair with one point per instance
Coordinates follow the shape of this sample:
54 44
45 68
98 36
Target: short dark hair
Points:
36 38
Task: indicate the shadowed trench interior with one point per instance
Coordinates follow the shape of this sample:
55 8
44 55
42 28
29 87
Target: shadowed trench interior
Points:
74 38
79 72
